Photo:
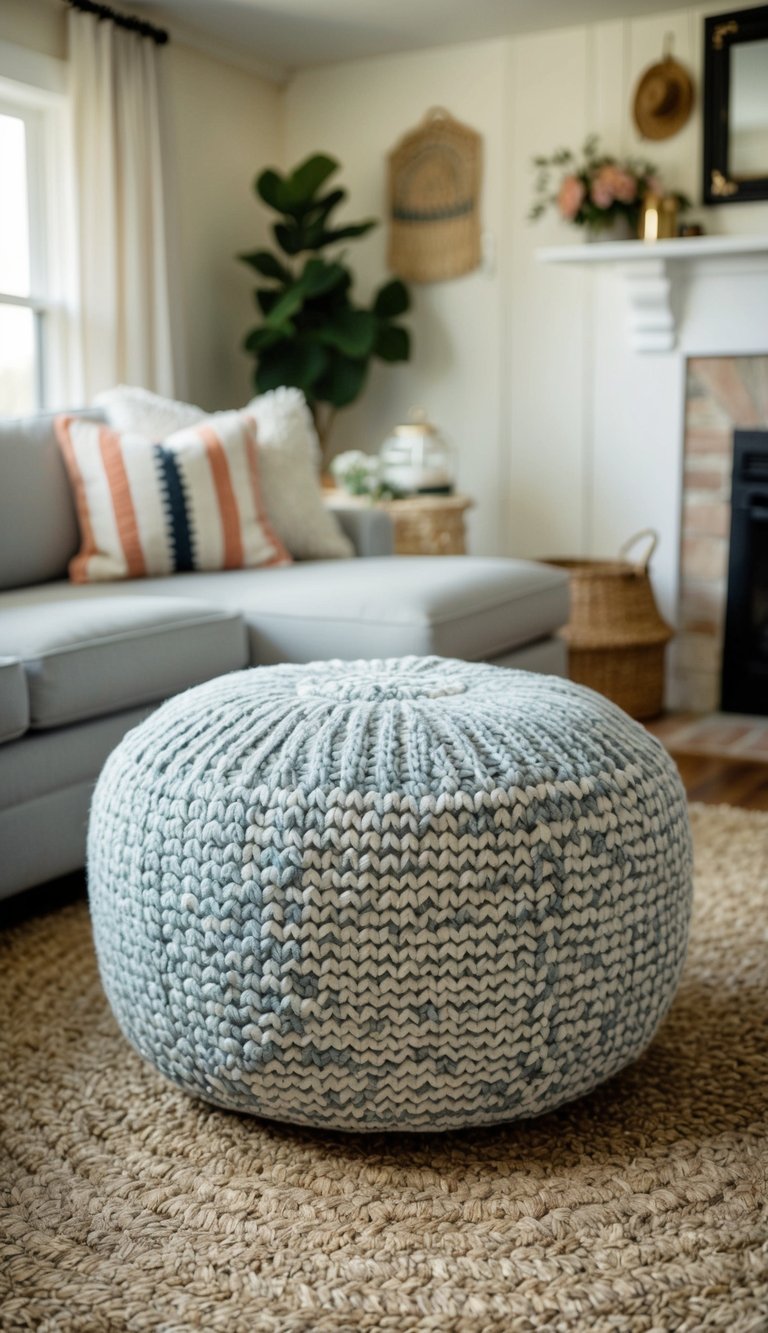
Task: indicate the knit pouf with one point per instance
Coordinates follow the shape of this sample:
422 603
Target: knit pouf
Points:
416 893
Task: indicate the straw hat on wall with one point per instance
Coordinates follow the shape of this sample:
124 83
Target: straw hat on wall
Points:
663 99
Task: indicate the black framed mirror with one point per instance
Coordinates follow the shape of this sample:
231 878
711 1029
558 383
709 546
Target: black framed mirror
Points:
736 106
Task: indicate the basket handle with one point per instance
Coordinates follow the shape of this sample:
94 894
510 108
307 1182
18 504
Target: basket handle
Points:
653 539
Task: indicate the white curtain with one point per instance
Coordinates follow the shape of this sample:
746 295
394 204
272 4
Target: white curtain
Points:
124 274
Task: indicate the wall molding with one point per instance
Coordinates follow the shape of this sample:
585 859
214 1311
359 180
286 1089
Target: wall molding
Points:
27 69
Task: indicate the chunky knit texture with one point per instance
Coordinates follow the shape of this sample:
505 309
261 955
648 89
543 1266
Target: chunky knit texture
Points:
415 893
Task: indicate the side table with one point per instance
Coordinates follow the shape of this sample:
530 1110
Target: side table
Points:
423 524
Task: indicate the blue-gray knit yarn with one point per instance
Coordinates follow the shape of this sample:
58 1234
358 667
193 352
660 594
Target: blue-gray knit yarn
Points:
416 893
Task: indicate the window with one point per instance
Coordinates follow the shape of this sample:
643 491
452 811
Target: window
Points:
33 232
22 266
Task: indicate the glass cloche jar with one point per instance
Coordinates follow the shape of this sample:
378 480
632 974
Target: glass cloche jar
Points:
415 459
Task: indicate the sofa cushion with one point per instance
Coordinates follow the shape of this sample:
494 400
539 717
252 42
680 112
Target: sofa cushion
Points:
87 657
452 606
14 700
455 606
38 524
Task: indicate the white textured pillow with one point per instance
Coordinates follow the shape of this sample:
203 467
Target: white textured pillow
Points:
288 460
146 413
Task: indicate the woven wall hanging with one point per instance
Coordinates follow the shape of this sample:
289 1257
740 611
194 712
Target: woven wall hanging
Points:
434 200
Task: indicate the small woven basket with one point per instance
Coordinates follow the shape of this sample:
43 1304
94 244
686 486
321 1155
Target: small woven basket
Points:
616 637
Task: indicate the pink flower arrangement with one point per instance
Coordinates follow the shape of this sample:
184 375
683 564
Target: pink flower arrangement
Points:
596 189
570 197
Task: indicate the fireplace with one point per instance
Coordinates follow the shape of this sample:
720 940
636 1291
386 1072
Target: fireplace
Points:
745 647
726 400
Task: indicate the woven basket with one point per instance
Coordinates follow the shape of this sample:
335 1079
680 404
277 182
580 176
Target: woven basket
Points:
616 637
434 200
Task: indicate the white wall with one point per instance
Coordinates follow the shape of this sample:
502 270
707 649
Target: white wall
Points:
513 362
224 122
356 112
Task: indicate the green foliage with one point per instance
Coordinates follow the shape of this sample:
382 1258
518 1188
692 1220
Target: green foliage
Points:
312 334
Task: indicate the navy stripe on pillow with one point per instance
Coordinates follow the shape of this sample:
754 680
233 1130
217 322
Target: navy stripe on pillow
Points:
176 506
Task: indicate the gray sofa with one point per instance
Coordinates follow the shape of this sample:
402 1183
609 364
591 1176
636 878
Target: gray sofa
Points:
81 664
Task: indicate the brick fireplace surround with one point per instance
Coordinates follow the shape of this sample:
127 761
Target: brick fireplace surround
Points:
722 393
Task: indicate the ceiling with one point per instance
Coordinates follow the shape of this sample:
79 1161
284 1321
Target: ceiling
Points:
296 34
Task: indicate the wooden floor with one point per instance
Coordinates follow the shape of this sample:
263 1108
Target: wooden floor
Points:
724 781
716 779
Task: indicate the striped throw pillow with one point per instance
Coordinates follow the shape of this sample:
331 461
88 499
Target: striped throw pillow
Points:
147 508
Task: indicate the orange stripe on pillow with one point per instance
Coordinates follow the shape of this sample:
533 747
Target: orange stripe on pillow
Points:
78 565
122 502
282 554
225 495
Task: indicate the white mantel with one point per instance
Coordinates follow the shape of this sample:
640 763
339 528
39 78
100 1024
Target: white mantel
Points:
656 273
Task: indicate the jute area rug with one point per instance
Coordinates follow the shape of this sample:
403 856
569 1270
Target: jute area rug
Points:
124 1205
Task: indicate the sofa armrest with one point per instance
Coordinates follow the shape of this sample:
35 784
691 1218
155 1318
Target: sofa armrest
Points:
369 530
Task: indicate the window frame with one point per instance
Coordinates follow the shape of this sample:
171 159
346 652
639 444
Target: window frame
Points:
38 96
32 118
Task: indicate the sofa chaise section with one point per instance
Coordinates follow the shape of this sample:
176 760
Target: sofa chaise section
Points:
73 678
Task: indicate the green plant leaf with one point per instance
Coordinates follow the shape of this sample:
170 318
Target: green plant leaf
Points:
290 237
299 365
392 299
315 234
353 229
319 277
269 187
305 181
352 332
321 208
267 298
343 380
267 264
393 343
258 340
289 301
339 296
293 195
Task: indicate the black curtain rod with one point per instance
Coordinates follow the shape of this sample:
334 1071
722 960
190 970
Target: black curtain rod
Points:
127 21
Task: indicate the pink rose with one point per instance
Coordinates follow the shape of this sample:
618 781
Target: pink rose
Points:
570 197
613 184
624 186
601 188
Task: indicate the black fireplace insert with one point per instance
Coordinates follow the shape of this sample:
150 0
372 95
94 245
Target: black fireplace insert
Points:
745 650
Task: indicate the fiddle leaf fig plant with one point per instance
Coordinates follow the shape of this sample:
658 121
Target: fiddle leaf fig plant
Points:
312 333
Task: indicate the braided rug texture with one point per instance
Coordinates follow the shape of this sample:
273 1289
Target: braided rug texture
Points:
412 893
127 1205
